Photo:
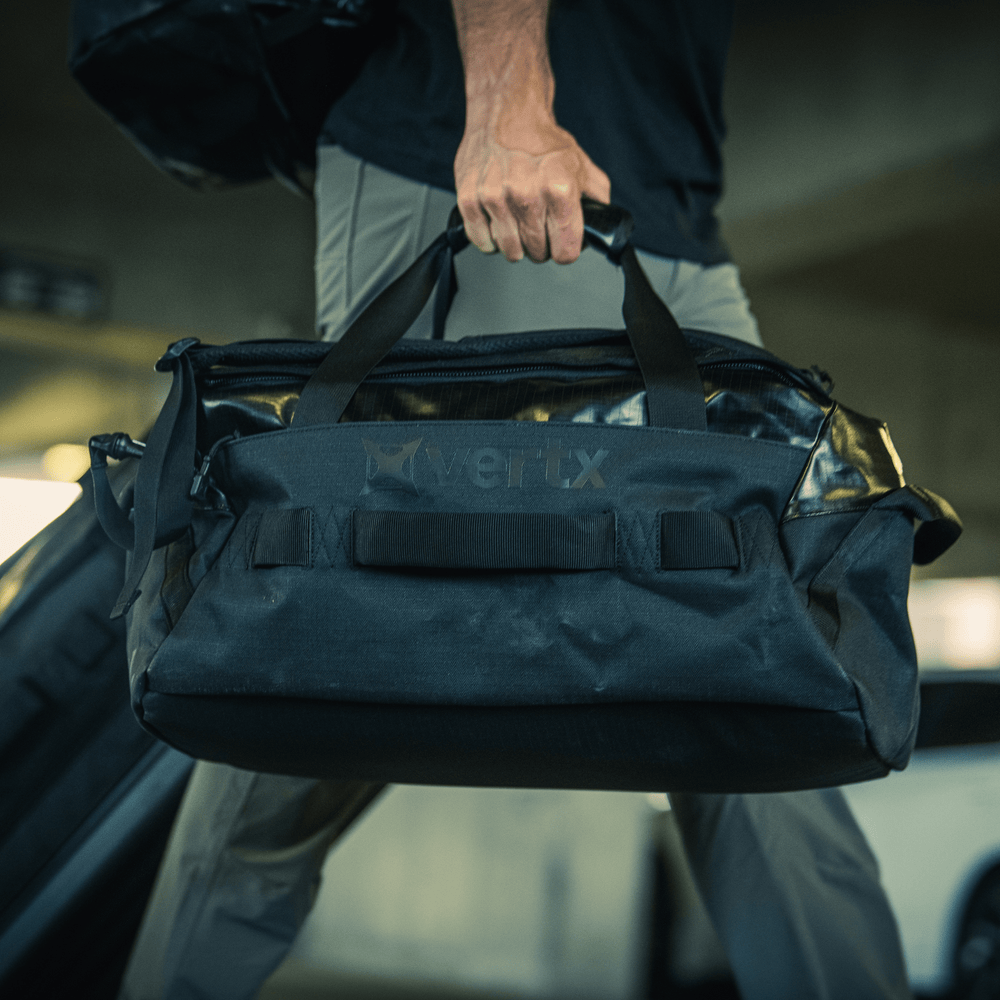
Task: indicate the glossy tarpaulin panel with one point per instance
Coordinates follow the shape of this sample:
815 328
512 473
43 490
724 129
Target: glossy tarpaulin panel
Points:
852 465
746 401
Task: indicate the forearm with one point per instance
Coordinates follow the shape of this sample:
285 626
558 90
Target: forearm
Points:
508 77
518 175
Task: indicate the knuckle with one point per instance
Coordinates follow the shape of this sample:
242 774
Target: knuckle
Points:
562 207
536 245
468 205
525 201
492 200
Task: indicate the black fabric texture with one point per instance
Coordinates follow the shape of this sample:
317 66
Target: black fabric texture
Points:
284 538
638 83
221 91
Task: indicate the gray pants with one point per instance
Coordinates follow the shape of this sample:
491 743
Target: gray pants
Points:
788 879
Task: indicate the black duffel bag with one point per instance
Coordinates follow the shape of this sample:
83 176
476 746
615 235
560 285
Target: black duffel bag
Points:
220 92
579 559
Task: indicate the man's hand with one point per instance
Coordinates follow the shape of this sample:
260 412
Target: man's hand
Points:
519 176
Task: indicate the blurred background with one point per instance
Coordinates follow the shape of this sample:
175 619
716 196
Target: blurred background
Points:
863 207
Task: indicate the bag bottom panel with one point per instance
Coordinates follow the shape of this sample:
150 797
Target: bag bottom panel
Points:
681 746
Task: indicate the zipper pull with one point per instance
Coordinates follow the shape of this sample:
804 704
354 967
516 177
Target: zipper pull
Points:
821 377
200 484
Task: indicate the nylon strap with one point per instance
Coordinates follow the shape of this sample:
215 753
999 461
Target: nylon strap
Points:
674 392
162 505
284 538
675 396
326 395
697 539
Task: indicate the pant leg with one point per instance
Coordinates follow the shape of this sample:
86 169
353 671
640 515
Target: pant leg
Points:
793 890
238 879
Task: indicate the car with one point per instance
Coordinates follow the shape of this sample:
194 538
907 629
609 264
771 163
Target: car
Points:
935 829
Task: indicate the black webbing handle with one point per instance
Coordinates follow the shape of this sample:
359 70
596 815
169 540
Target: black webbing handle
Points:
674 393
483 541
373 334
517 541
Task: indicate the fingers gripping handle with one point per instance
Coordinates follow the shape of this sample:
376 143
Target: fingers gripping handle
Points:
605 227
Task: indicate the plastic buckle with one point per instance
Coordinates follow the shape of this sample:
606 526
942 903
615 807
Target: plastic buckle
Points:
117 446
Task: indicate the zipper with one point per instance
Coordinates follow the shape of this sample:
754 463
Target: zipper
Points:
471 373
215 381
202 482
794 379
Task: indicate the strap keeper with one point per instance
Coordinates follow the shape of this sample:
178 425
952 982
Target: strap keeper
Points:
697 539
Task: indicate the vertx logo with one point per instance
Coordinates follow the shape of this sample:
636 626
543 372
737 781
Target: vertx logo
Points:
394 467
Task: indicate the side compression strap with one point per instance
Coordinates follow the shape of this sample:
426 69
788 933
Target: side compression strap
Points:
162 504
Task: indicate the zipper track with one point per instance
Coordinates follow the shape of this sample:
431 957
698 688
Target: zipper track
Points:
792 378
783 375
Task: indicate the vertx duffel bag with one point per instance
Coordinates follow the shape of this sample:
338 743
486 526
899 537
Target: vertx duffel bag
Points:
584 559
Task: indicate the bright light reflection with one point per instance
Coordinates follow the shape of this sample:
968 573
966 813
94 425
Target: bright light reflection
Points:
66 463
956 623
26 506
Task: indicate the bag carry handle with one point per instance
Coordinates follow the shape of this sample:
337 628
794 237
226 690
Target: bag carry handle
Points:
674 393
496 541
699 539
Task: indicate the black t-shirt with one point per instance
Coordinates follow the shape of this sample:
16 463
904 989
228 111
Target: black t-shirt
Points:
638 83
